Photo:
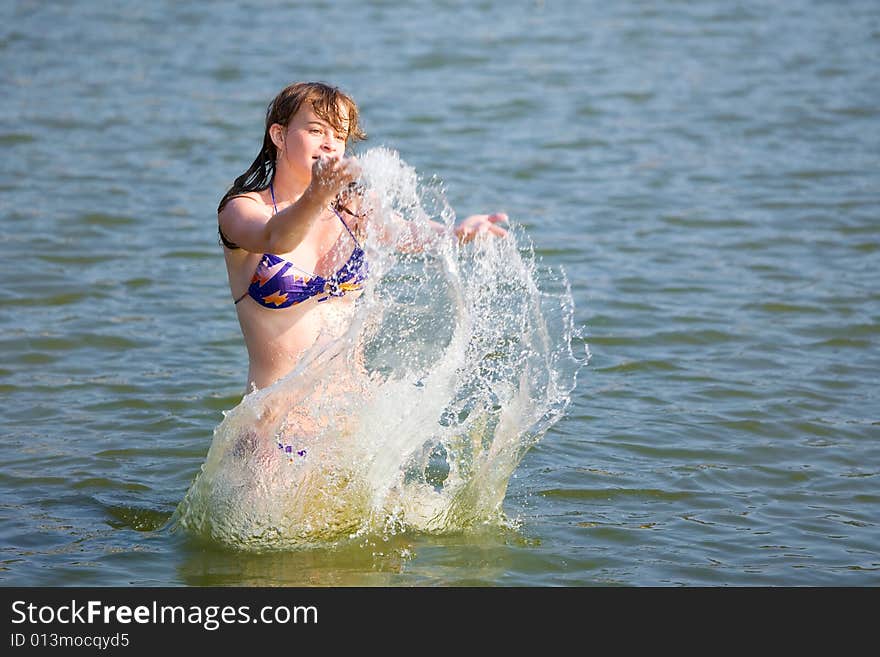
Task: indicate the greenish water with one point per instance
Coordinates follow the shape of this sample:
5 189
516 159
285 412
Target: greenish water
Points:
707 176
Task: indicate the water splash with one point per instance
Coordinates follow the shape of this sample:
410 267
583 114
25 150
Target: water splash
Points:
455 362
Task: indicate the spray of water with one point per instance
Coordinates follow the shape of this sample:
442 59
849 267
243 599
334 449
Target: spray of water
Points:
454 362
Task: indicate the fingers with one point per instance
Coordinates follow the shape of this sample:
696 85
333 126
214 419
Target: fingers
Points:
477 227
495 217
329 167
483 224
331 175
491 229
321 169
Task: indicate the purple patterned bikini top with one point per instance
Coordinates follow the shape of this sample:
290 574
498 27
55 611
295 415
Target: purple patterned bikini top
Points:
278 283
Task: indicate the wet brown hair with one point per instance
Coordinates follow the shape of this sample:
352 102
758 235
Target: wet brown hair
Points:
327 102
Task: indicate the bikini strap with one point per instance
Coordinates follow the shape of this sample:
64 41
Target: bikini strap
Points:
336 212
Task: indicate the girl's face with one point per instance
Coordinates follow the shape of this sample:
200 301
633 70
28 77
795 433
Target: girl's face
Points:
306 138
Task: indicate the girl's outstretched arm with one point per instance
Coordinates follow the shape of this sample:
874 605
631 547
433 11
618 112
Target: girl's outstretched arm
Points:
414 237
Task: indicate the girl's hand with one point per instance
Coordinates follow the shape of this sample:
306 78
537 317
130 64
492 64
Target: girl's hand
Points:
330 176
480 224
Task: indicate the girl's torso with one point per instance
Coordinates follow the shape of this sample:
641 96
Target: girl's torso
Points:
287 300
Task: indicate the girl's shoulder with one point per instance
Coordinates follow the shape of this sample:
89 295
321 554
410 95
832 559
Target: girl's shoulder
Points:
255 197
247 204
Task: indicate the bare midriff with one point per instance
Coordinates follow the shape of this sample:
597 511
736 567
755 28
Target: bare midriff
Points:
277 339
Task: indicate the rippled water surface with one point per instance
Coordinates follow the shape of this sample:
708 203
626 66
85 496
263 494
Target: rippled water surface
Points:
707 174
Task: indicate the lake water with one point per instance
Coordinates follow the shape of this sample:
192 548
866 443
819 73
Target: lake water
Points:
706 174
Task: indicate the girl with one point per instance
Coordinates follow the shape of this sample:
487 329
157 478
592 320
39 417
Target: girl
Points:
286 467
283 469
290 232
